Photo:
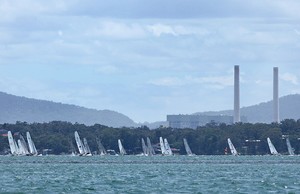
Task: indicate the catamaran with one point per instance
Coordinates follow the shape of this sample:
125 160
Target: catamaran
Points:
150 148
12 144
145 148
272 147
81 148
32 148
187 148
168 148
290 149
232 148
121 148
87 148
162 146
101 148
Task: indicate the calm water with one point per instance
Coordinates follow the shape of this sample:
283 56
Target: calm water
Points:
158 174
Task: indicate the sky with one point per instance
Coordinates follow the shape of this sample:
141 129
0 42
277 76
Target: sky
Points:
147 59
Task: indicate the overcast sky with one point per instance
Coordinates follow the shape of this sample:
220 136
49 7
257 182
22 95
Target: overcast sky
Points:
147 59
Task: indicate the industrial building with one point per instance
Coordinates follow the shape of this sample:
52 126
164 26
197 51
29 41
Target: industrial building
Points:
193 121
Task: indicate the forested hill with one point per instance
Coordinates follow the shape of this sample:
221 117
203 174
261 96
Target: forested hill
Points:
289 108
15 108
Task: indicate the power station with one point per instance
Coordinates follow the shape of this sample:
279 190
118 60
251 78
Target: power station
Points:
193 121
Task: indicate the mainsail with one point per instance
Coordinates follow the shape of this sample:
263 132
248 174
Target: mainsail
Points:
79 144
150 148
232 148
187 147
32 148
272 147
101 148
290 149
86 147
162 146
168 149
145 148
121 148
12 144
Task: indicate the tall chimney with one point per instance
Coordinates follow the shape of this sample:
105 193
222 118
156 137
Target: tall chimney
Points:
236 117
275 96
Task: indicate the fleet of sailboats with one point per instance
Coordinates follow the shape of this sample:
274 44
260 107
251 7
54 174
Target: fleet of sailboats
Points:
20 147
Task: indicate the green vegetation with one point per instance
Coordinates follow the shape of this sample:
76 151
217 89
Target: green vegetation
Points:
210 139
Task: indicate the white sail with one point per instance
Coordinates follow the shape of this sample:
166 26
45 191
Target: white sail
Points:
101 148
12 144
121 148
86 147
231 147
22 148
272 147
290 149
79 144
17 147
25 147
167 146
162 146
187 147
32 148
150 148
145 148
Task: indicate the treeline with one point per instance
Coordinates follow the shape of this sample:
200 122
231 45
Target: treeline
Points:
207 140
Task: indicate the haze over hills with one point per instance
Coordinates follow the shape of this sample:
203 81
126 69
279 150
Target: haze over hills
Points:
15 108
289 108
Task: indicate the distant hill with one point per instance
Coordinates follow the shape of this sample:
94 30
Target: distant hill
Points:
289 108
15 108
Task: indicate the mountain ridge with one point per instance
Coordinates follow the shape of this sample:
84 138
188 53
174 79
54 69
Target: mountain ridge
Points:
15 108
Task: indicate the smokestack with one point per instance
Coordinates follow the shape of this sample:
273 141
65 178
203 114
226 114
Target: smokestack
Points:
236 117
275 96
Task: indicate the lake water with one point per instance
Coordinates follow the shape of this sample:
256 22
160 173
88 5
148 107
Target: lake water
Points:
157 174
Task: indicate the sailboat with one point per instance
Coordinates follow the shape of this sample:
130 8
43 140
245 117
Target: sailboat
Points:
232 148
32 148
12 144
87 148
168 149
290 149
187 148
121 148
162 146
101 148
272 147
145 148
79 144
150 148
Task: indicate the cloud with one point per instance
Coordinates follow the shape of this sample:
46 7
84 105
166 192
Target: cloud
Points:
290 78
218 82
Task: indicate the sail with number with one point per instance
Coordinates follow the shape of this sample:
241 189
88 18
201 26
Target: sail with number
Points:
79 144
12 144
187 147
145 148
168 148
150 148
32 148
121 148
290 149
272 147
231 147
162 146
